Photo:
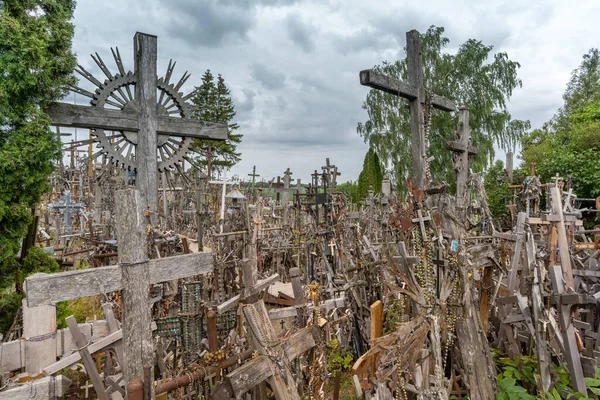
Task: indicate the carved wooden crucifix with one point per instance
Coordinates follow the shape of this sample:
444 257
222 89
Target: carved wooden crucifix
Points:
414 92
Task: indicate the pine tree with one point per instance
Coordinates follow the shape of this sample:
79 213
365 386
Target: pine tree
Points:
370 176
214 104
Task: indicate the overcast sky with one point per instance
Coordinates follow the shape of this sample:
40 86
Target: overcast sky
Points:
292 66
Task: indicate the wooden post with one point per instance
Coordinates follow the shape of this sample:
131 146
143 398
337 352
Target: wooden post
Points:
144 46
566 326
39 328
133 258
509 166
414 62
563 244
376 328
211 323
296 279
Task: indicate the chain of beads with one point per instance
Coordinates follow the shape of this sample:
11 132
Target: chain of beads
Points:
453 307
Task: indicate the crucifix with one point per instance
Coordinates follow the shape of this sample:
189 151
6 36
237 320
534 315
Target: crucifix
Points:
463 151
415 92
142 120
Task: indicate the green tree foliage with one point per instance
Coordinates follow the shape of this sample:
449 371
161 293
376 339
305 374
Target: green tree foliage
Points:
370 176
36 63
569 144
351 190
213 102
497 193
11 271
473 76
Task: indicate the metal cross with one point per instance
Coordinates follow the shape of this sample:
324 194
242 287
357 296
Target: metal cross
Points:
65 205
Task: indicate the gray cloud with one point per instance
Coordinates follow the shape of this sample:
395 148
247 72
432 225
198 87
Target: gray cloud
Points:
210 23
246 104
292 65
300 33
269 78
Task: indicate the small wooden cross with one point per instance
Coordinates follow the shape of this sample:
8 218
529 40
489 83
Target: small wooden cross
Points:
189 393
331 245
87 387
209 378
421 220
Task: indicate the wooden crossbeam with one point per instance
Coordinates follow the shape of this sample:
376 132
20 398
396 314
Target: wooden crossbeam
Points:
52 288
77 116
377 80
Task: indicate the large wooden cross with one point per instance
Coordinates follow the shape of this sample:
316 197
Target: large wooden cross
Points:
133 276
414 91
144 117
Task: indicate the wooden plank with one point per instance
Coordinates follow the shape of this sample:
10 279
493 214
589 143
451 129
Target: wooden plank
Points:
571 351
73 358
94 347
50 387
88 362
113 326
13 356
52 288
299 295
249 375
77 116
376 319
260 285
377 80
288 312
563 245
133 259
298 344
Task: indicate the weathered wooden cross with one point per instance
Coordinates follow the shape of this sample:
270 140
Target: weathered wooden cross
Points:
136 210
151 122
133 275
463 152
414 91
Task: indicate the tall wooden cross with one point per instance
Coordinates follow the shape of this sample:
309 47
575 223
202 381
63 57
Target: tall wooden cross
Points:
414 91
463 151
150 123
